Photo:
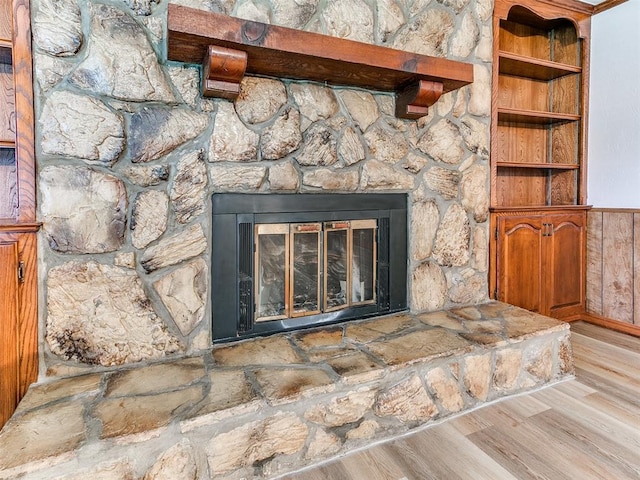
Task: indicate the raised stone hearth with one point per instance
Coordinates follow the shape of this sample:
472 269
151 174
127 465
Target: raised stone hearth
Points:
267 406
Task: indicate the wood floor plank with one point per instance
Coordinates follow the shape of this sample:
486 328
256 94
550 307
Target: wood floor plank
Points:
587 428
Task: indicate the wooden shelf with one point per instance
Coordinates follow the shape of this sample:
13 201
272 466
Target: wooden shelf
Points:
551 166
232 47
533 116
535 68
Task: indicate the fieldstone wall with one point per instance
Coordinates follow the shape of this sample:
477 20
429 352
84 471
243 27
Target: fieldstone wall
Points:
129 154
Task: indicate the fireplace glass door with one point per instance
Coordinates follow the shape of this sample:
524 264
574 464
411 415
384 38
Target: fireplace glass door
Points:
310 268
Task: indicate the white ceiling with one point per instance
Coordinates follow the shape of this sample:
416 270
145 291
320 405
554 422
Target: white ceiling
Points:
593 2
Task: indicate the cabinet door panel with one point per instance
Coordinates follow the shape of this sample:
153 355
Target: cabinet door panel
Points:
566 262
9 363
520 260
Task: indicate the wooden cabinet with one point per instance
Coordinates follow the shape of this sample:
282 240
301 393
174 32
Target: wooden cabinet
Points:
18 227
538 154
540 261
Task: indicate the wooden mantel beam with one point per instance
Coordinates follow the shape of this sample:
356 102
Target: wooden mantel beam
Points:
229 47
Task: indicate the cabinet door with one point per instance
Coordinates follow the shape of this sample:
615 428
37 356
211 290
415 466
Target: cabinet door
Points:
520 262
566 264
9 356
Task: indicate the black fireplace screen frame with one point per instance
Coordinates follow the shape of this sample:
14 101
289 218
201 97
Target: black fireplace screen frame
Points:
234 218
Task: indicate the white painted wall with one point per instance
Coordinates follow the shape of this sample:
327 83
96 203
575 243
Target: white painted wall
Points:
614 108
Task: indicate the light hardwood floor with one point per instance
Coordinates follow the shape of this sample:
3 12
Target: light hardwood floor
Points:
587 428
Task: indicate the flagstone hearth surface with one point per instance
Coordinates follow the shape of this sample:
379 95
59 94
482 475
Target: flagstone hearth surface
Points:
267 406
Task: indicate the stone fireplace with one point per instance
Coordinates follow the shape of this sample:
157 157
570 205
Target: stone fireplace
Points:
130 155
292 261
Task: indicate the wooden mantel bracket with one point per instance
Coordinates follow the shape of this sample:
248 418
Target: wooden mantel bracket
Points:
222 71
229 47
415 99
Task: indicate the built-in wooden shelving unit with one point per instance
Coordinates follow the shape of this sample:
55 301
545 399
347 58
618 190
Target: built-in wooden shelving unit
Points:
229 47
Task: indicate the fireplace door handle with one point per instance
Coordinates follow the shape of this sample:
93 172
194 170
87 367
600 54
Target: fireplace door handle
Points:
311 227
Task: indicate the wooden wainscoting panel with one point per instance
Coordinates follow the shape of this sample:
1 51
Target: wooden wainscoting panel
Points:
617 266
594 262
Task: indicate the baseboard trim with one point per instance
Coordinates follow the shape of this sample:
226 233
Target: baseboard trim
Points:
612 324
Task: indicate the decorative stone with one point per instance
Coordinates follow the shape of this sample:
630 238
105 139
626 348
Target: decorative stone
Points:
249 10
38 435
232 179
467 286
57 27
125 259
474 189
231 395
356 368
141 7
476 136
477 373
177 462
367 429
484 9
480 252
352 19
259 99
182 246
565 356
323 444
147 175
99 314
319 148
50 71
154 132
484 51
457 5
362 107
183 292
149 217
425 218
187 82
452 240
342 410
231 140
293 13
381 176
479 103
538 361
283 137
350 148
65 388
417 346
442 142
408 401
386 146
344 181
375 329
189 187
78 126
428 288
121 469
466 37
428 34
414 163
256 441
507 369
120 61
140 414
267 351
446 389
82 210
443 181
390 18
284 177
158 378
315 102
281 386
